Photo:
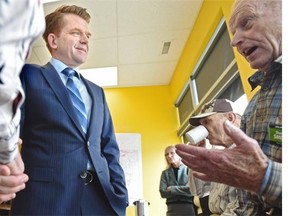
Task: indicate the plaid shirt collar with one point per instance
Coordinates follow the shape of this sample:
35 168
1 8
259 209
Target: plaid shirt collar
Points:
257 78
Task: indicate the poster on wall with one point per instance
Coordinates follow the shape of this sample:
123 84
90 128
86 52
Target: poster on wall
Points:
131 161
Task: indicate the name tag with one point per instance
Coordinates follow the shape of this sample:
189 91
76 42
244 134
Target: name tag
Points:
275 134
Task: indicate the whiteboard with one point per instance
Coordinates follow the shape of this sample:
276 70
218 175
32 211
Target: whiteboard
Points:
131 162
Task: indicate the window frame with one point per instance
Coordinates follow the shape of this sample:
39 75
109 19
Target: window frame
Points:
229 74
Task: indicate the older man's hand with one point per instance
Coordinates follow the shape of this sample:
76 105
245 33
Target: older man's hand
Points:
243 166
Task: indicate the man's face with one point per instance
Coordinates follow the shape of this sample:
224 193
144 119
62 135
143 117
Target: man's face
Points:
72 41
214 125
257 36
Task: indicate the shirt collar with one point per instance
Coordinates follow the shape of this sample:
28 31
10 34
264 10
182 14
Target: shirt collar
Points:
279 60
60 66
257 78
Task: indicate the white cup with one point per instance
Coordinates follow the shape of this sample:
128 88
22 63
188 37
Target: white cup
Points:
197 134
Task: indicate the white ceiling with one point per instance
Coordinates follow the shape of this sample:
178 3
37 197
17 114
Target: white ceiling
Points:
130 34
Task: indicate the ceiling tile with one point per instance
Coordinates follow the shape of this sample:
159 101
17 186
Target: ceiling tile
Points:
130 34
146 74
147 48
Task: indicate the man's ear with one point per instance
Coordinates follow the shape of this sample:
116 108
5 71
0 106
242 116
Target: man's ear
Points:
52 40
231 116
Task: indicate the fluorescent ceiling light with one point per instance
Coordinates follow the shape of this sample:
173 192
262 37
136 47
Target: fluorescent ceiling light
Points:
103 77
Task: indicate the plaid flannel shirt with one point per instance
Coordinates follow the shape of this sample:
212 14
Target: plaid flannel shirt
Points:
261 117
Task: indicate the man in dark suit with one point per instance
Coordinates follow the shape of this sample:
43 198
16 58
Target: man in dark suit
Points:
72 161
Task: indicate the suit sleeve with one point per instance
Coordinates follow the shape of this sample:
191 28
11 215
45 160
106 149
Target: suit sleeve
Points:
163 186
111 152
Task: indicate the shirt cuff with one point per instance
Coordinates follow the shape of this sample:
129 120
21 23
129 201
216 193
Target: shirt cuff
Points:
266 178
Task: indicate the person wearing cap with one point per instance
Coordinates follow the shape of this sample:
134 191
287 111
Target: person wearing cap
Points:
173 185
255 164
221 110
223 199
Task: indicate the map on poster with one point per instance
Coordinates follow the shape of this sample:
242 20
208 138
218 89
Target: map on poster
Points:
131 161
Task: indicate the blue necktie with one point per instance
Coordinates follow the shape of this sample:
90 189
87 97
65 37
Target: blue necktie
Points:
76 98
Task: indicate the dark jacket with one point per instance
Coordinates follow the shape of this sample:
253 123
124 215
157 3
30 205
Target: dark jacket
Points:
56 151
180 190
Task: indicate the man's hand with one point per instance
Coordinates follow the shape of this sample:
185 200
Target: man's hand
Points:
243 166
12 179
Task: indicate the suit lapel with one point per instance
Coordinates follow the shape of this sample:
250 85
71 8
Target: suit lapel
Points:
182 172
95 114
61 93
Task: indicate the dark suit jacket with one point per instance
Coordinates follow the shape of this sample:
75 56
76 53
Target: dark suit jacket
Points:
55 149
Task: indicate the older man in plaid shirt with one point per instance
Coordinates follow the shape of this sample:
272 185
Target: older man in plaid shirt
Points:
255 164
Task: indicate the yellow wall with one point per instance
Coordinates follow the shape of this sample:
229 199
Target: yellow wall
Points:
209 17
150 111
